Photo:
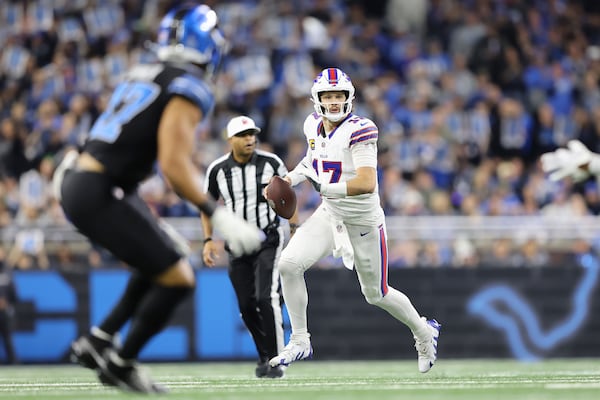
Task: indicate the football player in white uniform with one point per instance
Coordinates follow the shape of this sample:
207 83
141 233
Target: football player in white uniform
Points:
341 163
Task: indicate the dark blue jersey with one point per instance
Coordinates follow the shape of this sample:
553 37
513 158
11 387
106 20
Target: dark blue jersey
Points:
124 138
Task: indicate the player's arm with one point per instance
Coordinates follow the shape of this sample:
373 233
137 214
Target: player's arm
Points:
176 139
364 157
209 250
175 150
207 228
364 182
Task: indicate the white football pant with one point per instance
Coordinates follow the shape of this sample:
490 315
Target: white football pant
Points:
314 241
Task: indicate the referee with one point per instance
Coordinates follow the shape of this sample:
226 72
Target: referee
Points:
239 178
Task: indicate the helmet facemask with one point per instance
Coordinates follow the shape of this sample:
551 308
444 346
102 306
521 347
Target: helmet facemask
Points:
324 108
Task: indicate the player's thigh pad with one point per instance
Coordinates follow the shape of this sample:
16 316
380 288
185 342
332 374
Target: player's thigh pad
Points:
311 242
370 259
123 225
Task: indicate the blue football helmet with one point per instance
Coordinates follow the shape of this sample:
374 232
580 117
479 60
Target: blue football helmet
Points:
189 33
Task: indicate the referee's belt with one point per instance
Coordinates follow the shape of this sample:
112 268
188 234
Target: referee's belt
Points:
272 226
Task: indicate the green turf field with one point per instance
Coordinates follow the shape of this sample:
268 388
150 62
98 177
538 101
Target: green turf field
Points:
311 380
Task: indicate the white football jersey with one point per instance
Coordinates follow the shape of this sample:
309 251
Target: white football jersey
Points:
332 157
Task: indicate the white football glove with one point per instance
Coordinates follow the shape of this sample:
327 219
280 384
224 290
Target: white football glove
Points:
310 174
241 236
67 162
563 163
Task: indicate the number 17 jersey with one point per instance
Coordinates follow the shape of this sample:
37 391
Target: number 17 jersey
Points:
124 138
331 155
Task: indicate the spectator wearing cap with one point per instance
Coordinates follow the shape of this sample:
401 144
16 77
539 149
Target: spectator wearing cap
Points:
238 179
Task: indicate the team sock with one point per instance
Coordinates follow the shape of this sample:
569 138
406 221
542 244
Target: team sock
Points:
399 306
153 313
122 312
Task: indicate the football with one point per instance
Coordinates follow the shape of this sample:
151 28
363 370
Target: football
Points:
281 197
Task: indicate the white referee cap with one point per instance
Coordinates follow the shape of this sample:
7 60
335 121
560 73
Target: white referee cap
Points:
241 124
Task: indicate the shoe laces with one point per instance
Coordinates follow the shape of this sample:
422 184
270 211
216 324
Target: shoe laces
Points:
294 348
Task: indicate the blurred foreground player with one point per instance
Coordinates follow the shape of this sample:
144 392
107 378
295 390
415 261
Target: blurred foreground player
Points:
151 116
575 161
341 164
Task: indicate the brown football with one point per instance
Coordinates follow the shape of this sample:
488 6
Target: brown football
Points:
281 197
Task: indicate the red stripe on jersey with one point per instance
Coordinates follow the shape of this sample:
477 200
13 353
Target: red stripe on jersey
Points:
363 138
384 261
364 130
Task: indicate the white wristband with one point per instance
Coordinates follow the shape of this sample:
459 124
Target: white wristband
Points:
335 190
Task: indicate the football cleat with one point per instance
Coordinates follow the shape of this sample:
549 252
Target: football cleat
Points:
297 349
427 350
264 370
130 378
88 351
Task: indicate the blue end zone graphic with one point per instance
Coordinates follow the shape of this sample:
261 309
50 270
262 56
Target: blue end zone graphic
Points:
485 305
50 337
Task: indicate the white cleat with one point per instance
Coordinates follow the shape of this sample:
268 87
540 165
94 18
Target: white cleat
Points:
427 350
298 348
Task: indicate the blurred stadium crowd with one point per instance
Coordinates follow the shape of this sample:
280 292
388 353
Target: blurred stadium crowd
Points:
466 93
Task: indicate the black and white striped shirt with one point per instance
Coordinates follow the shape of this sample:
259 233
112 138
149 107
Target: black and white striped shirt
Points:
241 185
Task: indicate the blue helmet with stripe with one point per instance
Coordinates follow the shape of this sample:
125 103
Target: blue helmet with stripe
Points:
332 80
189 33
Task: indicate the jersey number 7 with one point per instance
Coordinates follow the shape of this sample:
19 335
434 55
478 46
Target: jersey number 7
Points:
335 167
128 100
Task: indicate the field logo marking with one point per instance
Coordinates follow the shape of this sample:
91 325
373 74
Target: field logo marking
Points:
492 304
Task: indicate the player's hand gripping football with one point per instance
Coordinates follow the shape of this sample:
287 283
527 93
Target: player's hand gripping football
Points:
571 161
280 196
241 236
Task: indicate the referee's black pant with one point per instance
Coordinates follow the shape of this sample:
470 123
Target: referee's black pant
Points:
255 279
6 335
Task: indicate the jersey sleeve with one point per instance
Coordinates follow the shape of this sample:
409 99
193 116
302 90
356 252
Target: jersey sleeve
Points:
365 132
193 89
364 154
210 181
281 168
